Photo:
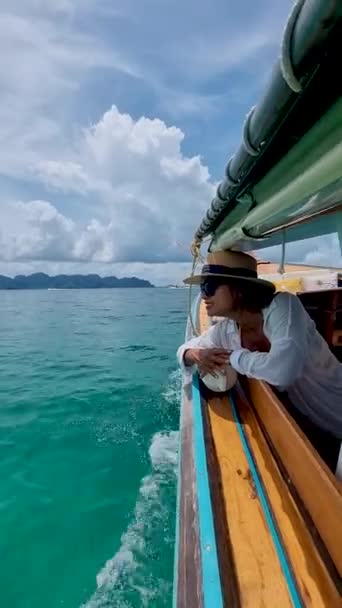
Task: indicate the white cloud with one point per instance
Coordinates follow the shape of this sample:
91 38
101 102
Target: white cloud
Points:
143 193
221 54
144 198
173 49
121 192
60 175
158 274
34 231
44 58
174 272
323 251
48 50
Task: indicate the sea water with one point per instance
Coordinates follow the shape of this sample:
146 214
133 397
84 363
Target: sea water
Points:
89 415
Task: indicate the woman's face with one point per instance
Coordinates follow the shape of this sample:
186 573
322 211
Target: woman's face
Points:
218 298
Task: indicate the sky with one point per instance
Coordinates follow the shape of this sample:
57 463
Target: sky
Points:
117 118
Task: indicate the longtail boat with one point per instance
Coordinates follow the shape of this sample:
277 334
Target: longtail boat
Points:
259 514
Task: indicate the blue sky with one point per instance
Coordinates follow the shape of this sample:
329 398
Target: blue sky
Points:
116 120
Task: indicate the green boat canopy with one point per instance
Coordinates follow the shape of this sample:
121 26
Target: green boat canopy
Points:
286 176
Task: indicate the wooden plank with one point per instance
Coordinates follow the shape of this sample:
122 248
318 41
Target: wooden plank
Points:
313 578
316 485
251 572
260 578
188 562
230 584
211 576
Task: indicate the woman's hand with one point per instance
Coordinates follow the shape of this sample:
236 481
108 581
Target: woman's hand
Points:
207 359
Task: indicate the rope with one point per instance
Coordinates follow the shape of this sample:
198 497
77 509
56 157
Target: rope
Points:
195 249
286 64
281 268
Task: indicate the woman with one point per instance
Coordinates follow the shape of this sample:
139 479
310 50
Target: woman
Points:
271 337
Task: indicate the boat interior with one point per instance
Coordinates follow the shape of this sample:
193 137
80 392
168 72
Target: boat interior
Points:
259 512
268 484
325 308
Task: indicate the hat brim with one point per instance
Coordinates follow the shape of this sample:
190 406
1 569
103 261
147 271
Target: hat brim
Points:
198 278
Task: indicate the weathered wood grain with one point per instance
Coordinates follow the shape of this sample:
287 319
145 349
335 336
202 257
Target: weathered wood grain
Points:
189 576
312 575
318 488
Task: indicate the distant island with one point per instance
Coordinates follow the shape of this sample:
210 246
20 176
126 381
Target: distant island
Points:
40 280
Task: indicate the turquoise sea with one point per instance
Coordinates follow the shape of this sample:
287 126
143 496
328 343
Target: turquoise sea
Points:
89 414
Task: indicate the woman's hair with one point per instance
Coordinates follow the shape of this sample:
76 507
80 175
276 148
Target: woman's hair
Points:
249 296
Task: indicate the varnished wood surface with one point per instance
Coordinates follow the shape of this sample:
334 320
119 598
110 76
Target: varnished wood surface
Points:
316 485
229 579
258 570
251 558
312 575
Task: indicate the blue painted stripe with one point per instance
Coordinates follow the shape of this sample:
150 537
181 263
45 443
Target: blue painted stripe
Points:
194 312
176 554
291 583
211 583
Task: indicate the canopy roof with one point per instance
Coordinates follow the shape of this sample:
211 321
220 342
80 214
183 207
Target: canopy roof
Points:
286 176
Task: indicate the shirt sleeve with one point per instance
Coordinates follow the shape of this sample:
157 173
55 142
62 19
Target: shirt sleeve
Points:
211 338
286 328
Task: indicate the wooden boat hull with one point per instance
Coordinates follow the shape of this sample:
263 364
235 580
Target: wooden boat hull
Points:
263 514
260 514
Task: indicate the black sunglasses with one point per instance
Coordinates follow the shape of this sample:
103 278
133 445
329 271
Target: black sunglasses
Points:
209 286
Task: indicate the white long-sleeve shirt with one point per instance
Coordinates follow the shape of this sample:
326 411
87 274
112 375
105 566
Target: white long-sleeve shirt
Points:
299 360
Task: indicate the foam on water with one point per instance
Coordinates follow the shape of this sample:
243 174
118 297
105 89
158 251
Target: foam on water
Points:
172 392
127 573
128 579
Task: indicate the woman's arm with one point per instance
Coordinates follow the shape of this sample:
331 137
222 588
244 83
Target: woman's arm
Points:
286 326
189 354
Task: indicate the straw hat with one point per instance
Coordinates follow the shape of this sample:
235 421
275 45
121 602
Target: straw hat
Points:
230 265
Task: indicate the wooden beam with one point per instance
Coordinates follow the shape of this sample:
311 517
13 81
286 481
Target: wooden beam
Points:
229 579
255 571
188 561
313 578
258 571
316 485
